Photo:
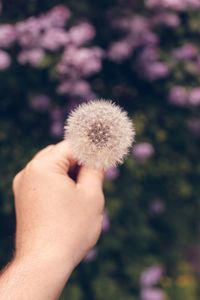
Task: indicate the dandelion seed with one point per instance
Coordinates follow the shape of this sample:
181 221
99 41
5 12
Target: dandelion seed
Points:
100 134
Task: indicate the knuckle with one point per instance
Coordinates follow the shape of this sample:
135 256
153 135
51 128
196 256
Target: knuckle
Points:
34 165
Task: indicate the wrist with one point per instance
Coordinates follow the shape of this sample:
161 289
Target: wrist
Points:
44 270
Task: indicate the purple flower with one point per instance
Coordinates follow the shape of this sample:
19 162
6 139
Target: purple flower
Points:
54 38
56 129
149 65
187 51
192 4
149 55
157 207
137 32
156 70
149 39
83 61
45 29
194 97
194 126
178 96
7 35
56 114
106 222
41 102
119 51
138 24
91 256
140 33
79 88
143 151
28 32
58 16
167 19
152 294
176 5
81 33
112 173
5 60
151 276
33 57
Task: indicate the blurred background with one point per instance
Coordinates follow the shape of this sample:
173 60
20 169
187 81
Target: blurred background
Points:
145 55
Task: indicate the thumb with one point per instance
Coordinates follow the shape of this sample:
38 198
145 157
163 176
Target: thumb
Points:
90 177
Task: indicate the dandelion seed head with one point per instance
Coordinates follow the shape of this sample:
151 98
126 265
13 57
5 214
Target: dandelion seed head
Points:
100 134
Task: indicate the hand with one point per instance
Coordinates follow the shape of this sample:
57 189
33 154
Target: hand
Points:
58 220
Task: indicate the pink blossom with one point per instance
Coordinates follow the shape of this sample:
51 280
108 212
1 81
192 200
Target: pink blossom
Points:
40 102
75 88
151 276
5 60
178 95
192 4
166 18
56 114
194 126
7 35
120 50
139 24
28 32
149 55
33 57
54 38
91 256
81 33
149 65
140 33
157 207
137 32
85 61
136 24
156 70
194 97
152 294
187 51
112 173
106 222
173 4
59 15
149 39
143 151
56 129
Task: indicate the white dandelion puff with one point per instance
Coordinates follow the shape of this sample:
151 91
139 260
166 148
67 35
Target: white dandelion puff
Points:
100 134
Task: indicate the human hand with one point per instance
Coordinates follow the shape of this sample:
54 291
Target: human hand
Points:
58 219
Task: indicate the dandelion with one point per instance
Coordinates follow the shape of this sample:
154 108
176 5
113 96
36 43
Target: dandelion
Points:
100 134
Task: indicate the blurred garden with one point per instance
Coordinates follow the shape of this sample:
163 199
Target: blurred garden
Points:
145 56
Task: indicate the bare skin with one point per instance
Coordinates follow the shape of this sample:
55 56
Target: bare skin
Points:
58 222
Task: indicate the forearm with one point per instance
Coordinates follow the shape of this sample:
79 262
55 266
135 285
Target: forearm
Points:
41 278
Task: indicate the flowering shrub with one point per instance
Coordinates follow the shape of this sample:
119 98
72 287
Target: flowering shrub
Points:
145 55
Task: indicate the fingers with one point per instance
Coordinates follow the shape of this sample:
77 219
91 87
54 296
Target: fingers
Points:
90 178
44 151
62 156
91 181
16 180
58 156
